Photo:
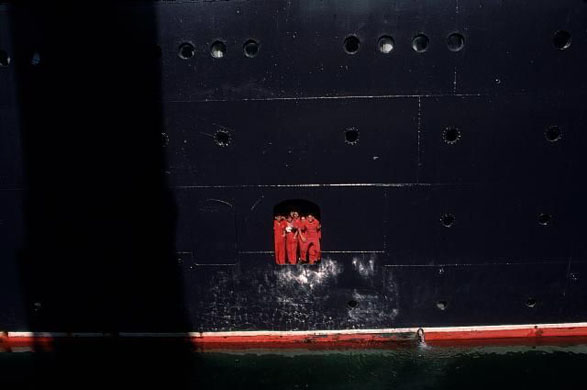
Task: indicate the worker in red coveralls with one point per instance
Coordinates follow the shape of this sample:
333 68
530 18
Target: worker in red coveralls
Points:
302 245
279 225
313 233
291 241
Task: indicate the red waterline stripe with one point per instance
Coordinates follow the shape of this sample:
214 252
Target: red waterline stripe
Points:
356 338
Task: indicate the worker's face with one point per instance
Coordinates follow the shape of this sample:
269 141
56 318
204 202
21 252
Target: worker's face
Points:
310 217
295 214
289 218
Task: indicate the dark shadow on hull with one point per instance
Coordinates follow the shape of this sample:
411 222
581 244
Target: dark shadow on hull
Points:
99 236
302 206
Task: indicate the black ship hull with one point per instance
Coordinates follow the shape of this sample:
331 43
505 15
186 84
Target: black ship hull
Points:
142 164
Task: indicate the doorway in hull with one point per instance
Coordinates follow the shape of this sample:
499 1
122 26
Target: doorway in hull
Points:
297 232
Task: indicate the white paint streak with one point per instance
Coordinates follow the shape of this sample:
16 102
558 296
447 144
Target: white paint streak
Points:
314 185
317 332
257 203
365 268
313 98
307 276
419 131
392 330
454 82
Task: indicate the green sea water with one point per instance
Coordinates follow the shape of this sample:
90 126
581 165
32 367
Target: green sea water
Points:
416 366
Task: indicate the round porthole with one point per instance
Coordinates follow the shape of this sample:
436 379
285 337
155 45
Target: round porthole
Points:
218 50
186 51
420 43
351 44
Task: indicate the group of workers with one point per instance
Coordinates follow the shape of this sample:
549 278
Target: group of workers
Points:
297 238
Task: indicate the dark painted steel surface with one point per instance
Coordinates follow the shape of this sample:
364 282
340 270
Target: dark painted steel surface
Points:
108 224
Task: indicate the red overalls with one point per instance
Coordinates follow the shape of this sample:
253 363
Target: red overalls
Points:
313 234
302 240
279 239
291 241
